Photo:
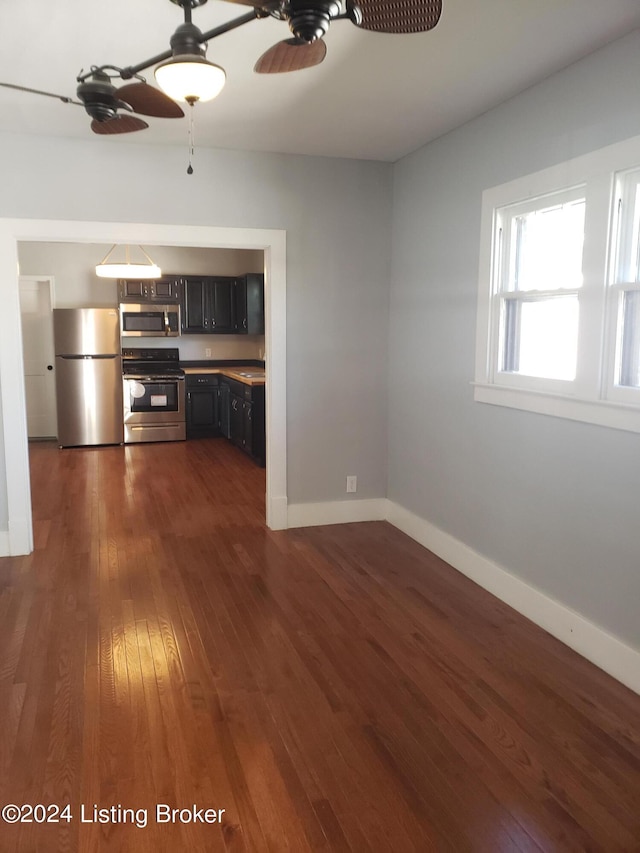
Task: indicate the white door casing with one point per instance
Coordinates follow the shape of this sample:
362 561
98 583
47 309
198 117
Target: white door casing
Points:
36 305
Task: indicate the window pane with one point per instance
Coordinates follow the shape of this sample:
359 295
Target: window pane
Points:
546 248
628 261
629 371
634 254
540 337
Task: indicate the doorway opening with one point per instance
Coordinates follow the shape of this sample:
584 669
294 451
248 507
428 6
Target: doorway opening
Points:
14 451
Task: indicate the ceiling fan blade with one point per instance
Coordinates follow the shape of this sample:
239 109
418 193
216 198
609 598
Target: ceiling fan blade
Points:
291 55
148 101
118 124
398 16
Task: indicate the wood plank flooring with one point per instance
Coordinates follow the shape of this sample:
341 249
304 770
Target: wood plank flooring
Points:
332 689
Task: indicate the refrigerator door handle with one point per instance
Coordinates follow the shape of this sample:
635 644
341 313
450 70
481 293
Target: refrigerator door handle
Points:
88 357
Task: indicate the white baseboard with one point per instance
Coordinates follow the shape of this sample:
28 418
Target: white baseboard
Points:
16 541
20 537
277 513
598 646
336 512
588 639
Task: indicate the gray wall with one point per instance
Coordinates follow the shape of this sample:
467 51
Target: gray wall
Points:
337 215
553 501
4 512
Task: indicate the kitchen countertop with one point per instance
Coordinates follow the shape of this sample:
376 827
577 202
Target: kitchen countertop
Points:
256 378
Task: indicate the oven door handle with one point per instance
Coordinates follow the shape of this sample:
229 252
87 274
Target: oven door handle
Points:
157 378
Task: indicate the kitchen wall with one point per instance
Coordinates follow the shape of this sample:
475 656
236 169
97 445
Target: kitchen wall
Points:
553 501
337 217
77 285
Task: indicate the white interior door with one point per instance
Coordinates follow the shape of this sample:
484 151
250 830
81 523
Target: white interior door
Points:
36 304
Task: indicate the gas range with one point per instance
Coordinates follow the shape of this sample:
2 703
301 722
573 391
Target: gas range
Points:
161 363
153 395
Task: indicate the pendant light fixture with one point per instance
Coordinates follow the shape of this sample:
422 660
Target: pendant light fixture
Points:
108 268
188 75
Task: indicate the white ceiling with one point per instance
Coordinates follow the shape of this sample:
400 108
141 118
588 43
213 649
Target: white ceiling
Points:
375 96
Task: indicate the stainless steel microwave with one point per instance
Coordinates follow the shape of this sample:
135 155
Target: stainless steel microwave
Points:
149 321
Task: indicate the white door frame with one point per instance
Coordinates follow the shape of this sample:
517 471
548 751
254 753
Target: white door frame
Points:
19 539
42 279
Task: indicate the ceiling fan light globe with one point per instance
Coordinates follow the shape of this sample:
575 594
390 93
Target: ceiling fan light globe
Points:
190 78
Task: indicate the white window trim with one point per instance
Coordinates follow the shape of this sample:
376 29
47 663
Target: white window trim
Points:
619 283
589 398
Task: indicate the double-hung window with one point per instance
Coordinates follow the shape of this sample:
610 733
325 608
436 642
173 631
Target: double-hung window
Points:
558 327
539 261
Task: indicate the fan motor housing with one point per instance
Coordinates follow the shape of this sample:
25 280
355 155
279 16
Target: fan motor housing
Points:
99 97
310 21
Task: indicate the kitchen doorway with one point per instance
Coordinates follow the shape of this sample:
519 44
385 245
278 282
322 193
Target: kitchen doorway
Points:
14 447
36 303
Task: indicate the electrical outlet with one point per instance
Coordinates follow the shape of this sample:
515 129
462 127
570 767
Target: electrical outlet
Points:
207 352
352 483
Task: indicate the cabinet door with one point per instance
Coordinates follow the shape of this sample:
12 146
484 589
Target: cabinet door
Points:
240 306
130 290
224 410
256 436
165 289
221 306
247 426
195 309
202 411
254 305
237 420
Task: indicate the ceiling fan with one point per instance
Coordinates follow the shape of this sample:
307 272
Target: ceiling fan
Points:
309 22
112 109
116 110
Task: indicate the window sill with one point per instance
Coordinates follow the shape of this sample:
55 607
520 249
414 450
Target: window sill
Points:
599 412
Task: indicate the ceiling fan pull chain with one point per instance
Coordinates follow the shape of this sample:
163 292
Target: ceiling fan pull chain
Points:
191 141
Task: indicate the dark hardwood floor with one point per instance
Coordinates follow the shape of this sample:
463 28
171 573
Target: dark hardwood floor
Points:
332 689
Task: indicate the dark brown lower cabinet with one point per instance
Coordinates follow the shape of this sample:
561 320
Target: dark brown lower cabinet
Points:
246 418
220 406
202 405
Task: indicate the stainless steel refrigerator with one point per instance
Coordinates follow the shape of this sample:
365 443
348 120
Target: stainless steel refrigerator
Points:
88 376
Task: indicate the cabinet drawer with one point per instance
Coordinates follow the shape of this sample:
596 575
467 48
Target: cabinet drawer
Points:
202 380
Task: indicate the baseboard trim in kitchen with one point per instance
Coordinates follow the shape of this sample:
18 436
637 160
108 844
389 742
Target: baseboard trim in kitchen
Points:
336 512
4 543
583 636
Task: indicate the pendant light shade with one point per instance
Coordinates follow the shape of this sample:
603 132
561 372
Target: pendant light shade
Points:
108 268
190 78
